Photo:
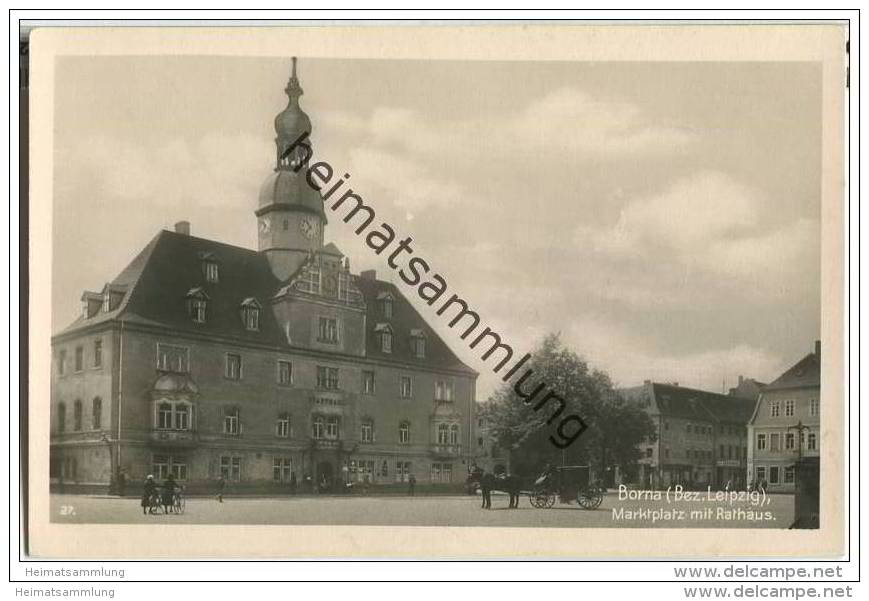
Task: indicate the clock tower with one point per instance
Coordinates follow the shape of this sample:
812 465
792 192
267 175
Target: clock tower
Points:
290 215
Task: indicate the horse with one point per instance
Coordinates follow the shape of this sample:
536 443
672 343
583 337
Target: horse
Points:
507 483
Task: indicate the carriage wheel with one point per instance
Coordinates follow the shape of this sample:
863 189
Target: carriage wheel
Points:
588 499
155 505
542 500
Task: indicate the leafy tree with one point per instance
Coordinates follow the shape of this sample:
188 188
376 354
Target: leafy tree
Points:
615 426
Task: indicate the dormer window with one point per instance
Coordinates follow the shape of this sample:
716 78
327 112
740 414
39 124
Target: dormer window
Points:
250 310
211 272
417 343
197 303
209 267
386 304
384 334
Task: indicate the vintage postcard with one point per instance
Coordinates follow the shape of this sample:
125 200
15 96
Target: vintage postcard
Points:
456 291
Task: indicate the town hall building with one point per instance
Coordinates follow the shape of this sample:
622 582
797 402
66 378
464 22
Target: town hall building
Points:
265 367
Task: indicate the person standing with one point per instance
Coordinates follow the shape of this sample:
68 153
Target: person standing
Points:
149 490
411 485
169 486
292 483
221 486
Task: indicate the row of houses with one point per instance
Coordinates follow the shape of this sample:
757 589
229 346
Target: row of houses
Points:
755 433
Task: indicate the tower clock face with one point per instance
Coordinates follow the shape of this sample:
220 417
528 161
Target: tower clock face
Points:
265 225
308 227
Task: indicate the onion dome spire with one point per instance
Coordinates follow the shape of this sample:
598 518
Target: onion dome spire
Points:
291 125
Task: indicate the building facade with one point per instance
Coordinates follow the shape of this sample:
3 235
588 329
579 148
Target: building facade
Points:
701 437
271 368
786 424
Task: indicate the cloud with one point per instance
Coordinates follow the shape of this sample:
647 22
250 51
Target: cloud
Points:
572 120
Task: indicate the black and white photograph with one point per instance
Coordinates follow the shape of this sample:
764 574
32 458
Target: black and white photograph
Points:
300 289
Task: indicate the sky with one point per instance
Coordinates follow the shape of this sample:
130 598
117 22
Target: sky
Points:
662 217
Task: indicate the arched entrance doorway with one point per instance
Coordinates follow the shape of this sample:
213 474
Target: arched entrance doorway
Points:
325 476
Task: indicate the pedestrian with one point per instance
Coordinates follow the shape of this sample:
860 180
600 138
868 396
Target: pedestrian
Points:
169 486
292 483
148 490
411 485
309 484
486 483
122 484
221 486
727 486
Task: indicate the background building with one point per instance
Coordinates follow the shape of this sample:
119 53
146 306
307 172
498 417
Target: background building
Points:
786 424
701 436
270 368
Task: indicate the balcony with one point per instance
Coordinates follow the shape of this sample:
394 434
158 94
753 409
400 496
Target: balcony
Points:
327 443
174 438
446 450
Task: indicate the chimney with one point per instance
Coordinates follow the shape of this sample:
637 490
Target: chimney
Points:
370 274
183 228
817 348
675 383
647 382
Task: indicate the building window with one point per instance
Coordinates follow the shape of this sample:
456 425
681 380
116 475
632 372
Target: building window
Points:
760 472
441 472
366 433
211 272
406 387
328 330
402 471
443 390
812 441
367 382
404 432
230 468
775 408
172 358
79 358
814 407
197 309
790 441
172 415
163 465
76 416
250 314
231 424
61 417
285 373
443 434
773 474
386 307
61 362
648 451
98 353
789 475
327 377
666 453
384 336
789 408
761 442
318 427
454 434
164 416
417 343
282 470
774 444
233 366
282 426
97 413
332 431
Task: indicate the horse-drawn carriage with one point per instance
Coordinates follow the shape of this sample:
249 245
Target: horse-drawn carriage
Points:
566 484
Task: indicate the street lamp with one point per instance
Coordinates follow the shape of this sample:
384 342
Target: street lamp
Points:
112 475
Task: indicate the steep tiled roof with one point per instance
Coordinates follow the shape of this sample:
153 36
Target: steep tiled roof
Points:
807 372
405 318
159 279
689 403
